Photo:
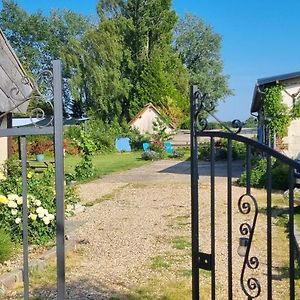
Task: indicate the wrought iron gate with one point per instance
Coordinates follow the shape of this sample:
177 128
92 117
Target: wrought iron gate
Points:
53 96
251 283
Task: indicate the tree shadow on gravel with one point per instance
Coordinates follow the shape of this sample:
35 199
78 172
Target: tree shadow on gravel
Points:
82 289
204 168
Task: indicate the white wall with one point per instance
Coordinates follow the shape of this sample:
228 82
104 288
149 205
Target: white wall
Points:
3 143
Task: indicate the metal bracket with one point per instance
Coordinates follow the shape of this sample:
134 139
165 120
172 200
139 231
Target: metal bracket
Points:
205 261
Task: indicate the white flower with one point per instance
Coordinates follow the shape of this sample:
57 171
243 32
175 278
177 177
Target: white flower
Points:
19 200
51 217
38 202
18 220
14 212
33 217
12 197
46 220
41 216
12 204
46 212
40 210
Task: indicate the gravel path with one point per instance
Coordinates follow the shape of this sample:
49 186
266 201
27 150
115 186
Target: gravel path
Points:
135 218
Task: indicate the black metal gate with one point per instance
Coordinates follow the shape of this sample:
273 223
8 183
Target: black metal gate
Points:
53 96
248 275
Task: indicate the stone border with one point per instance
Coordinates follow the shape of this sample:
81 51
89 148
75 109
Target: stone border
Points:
10 279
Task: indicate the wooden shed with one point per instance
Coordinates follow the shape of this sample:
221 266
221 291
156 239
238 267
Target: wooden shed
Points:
13 90
144 120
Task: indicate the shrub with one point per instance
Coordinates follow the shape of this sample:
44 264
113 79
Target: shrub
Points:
258 175
85 168
178 153
151 155
6 246
204 151
41 203
157 146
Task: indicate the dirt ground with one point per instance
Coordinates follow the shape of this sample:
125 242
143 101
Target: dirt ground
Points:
137 227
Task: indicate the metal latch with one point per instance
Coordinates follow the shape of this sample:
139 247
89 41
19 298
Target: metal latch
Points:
205 261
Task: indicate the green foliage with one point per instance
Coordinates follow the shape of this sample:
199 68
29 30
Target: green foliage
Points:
258 175
276 112
199 47
157 146
159 130
6 246
85 168
221 150
251 122
296 110
41 203
151 155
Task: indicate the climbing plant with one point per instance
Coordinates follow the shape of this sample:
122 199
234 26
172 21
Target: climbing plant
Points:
277 113
296 109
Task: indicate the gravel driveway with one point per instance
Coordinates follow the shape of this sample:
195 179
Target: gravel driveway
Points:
137 216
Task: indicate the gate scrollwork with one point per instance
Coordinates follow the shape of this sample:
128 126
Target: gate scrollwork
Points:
204 103
41 94
251 286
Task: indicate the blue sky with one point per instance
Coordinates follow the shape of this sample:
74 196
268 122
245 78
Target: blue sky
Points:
260 39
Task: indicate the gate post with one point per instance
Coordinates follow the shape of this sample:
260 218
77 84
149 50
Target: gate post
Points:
194 196
59 179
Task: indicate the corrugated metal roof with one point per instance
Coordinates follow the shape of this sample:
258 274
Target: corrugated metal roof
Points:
256 100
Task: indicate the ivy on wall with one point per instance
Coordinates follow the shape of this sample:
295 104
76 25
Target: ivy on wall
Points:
276 112
296 110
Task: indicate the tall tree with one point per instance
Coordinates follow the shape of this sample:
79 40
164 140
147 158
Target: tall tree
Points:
38 39
199 47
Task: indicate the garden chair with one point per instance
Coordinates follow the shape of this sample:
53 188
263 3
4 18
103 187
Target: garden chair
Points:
168 147
146 147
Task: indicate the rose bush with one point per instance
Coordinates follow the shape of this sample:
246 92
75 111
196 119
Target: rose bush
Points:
40 200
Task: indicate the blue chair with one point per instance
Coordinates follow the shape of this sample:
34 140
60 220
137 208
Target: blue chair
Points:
168 147
146 146
123 144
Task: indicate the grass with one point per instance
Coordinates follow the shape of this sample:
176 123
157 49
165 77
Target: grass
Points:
45 279
181 242
107 163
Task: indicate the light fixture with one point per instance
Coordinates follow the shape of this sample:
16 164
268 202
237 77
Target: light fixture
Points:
242 249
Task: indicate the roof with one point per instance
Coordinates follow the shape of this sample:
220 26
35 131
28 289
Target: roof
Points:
13 90
267 81
21 122
149 105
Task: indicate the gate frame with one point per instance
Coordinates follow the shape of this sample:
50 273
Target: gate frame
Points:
200 103
55 129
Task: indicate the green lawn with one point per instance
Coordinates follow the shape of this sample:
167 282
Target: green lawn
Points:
107 163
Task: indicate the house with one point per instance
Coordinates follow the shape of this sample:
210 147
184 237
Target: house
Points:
144 120
14 88
290 94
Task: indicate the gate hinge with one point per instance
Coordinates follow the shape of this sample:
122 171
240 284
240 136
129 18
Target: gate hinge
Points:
205 261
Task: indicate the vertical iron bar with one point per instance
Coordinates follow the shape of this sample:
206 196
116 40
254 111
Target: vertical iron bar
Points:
59 179
194 198
229 215
291 232
25 218
269 226
248 170
213 236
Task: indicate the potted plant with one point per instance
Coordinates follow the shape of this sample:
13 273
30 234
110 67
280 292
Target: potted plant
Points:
38 150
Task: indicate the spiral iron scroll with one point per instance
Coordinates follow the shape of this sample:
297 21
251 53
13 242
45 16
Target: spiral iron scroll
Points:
42 91
204 102
251 286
